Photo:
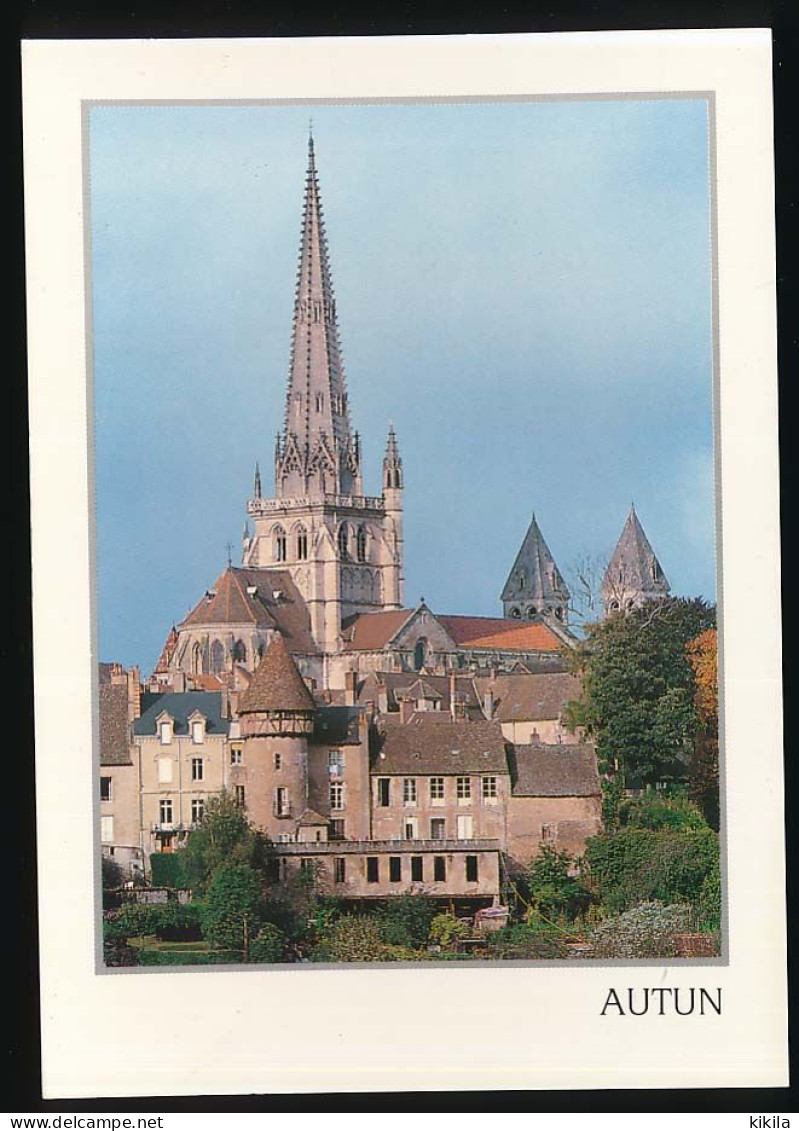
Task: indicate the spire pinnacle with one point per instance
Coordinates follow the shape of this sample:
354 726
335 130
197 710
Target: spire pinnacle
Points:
316 453
257 484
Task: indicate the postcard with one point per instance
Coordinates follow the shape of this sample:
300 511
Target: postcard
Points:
405 563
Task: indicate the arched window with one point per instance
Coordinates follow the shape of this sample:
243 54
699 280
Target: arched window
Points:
239 652
559 613
532 611
197 659
302 544
419 653
361 543
279 544
614 606
343 541
217 657
516 612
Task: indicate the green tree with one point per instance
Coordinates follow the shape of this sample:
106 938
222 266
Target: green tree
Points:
230 914
704 777
638 689
223 836
553 886
269 945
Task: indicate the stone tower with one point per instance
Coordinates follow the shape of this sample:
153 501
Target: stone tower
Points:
342 548
634 574
277 720
535 586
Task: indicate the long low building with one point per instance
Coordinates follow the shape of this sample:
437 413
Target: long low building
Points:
378 801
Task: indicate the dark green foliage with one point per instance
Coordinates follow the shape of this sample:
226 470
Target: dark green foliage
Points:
113 876
637 701
116 951
269 945
157 957
526 941
230 913
553 886
166 869
404 921
654 811
169 921
224 836
708 907
353 938
639 864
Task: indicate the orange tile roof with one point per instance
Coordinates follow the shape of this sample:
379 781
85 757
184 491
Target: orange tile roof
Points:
370 631
500 633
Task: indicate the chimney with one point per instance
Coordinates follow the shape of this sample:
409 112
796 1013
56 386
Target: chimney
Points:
178 681
452 685
233 704
382 699
407 708
488 703
134 693
224 703
350 688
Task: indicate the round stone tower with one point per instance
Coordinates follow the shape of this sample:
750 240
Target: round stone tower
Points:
277 720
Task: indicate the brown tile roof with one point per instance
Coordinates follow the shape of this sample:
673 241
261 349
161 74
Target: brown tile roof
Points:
276 684
500 633
167 652
205 681
522 697
418 689
114 727
393 682
247 596
370 631
539 770
428 745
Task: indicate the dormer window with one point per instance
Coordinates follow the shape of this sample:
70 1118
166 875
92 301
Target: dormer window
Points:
166 728
198 731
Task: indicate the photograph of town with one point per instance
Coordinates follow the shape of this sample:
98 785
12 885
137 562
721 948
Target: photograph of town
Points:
405 532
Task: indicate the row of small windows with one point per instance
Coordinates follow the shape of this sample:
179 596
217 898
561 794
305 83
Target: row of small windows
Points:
217 657
281 544
532 610
435 789
417 869
464 828
166 807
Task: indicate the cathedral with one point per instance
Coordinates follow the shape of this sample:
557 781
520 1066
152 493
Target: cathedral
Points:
394 748
322 562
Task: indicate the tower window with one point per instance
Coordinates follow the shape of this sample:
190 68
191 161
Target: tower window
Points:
516 613
343 541
240 652
302 545
419 653
361 544
217 657
280 545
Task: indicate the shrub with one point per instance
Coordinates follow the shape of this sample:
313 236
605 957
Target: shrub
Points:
638 864
708 907
525 940
166 869
269 945
552 886
117 952
404 921
230 911
446 929
653 811
645 931
353 938
178 922
173 921
113 875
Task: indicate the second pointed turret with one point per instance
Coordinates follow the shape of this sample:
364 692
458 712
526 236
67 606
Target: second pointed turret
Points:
634 575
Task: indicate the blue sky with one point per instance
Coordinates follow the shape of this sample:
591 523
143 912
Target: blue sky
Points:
523 288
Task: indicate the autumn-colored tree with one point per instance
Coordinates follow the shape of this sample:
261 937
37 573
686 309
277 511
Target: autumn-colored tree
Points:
702 654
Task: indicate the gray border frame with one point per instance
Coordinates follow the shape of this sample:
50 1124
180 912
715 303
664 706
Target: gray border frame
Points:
563 964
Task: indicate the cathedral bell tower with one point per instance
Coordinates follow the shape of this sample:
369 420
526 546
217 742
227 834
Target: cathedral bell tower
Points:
342 548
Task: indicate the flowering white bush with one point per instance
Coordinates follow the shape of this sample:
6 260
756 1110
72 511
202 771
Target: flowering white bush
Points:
646 931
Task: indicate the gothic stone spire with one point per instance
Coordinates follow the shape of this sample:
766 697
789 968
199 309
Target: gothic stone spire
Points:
317 453
392 462
634 574
535 585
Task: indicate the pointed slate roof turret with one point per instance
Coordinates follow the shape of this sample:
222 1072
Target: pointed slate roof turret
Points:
277 686
317 453
535 585
634 575
392 462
